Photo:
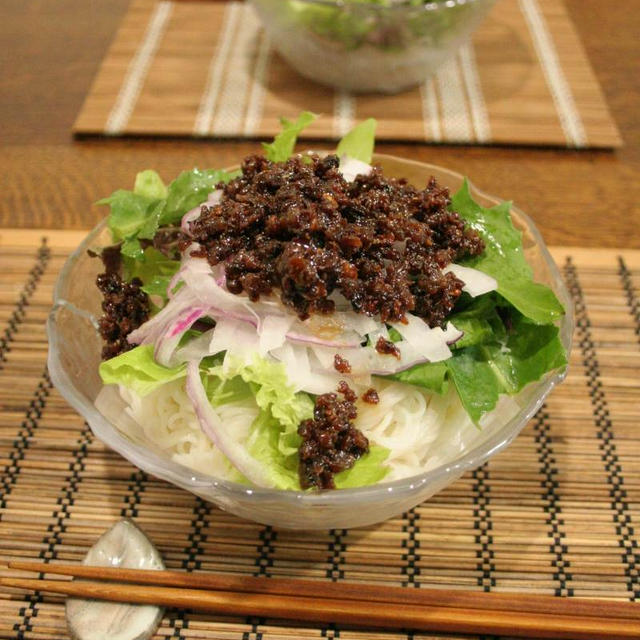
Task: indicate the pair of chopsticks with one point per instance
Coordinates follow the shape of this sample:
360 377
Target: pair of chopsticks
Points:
343 603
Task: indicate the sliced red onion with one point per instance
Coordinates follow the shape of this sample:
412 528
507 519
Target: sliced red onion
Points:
153 328
214 429
476 282
202 281
173 283
350 168
246 328
167 343
184 323
208 284
362 324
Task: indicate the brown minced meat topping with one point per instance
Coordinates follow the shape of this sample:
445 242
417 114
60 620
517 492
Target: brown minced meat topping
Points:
330 442
300 228
340 364
125 307
387 348
370 396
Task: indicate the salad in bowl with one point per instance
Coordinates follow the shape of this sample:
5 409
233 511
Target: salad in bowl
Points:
380 46
309 333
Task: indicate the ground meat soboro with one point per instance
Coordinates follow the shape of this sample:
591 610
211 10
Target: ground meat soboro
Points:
300 228
125 308
340 364
330 442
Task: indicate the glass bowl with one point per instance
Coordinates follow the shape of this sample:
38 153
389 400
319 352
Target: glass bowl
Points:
366 47
74 356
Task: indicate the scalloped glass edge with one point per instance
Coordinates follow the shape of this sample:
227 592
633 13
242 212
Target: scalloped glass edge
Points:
396 7
225 491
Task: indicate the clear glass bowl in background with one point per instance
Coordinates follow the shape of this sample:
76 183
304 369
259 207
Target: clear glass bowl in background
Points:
364 47
74 356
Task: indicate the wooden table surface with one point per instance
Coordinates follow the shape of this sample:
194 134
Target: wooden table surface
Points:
51 51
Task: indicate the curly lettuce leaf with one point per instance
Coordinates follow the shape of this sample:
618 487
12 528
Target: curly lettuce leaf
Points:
129 212
139 213
504 258
368 469
190 189
281 149
150 185
153 268
271 388
273 438
264 445
137 370
359 142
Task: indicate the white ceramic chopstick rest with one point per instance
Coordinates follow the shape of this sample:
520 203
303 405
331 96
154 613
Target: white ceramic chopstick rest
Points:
124 546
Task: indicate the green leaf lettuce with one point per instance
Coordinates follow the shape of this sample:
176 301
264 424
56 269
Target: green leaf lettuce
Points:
359 142
504 258
281 149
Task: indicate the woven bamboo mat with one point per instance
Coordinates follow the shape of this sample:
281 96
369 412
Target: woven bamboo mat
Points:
207 69
556 513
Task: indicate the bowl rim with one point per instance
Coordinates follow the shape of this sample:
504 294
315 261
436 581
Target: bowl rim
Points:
396 6
196 481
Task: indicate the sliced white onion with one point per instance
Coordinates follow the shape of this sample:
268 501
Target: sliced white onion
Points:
188 218
308 348
214 429
367 361
195 349
476 282
234 337
350 168
430 343
274 332
214 197
302 376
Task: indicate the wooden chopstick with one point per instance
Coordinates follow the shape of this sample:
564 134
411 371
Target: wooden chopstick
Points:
361 605
346 591
350 612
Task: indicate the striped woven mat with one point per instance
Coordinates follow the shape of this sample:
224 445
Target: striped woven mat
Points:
558 512
207 69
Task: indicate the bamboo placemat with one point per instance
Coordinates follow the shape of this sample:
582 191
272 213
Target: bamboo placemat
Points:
207 69
556 513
